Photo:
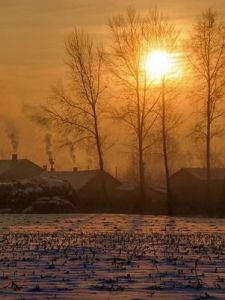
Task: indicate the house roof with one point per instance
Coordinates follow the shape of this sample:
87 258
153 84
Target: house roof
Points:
78 179
201 173
127 187
160 189
7 165
132 187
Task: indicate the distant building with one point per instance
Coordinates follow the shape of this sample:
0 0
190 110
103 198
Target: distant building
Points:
189 190
128 198
128 190
94 188
15 169
159 202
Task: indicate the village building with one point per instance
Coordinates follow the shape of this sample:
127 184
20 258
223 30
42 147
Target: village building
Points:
16 169
189 191
158 200
95 189
128 198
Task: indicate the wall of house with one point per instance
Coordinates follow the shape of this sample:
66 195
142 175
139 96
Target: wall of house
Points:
186 194
189 195
218 191
158 202
98 194
21 170
127 200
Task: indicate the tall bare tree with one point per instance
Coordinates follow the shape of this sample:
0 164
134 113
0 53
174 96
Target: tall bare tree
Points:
78 107
166 40
131 45
135 37
207 57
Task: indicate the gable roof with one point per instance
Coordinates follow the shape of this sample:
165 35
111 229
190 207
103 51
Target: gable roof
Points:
78 179
201 173
8 164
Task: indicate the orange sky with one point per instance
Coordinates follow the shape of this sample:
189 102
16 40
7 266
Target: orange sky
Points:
32 48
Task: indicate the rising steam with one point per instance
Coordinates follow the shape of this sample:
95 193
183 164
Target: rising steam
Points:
48 145
13 134
72 152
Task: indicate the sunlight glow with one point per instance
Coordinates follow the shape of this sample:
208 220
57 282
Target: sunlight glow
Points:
158 63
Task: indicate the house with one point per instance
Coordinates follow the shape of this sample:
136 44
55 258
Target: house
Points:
95 189
159 201
15 169
128 199
127 196
189 190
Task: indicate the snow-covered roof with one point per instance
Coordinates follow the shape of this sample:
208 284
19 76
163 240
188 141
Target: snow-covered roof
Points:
201 173
127 187
8 164
133 187
160 189
77 179
43 181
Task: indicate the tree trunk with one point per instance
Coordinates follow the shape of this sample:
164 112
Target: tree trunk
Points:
106 204
98 142
141 175
208 152
165 153
208 131
140 151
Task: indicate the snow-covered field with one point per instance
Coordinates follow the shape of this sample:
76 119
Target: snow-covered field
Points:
111 257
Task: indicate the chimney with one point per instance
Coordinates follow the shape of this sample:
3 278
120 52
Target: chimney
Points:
14 157
52 163
75 169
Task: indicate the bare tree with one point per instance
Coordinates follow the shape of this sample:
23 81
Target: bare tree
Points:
166 40
78 108
207 57
131 45
135 37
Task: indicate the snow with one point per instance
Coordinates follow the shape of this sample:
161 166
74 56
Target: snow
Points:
50 204
111 257
37 195
44 181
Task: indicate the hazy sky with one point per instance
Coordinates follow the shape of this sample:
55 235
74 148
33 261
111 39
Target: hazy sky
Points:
32 34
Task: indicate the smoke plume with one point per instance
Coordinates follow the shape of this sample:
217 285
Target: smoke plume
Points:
72 152
13 134
48 145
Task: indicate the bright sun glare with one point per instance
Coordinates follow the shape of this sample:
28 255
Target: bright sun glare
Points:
158 63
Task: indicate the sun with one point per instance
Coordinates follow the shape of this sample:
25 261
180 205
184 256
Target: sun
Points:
158 63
